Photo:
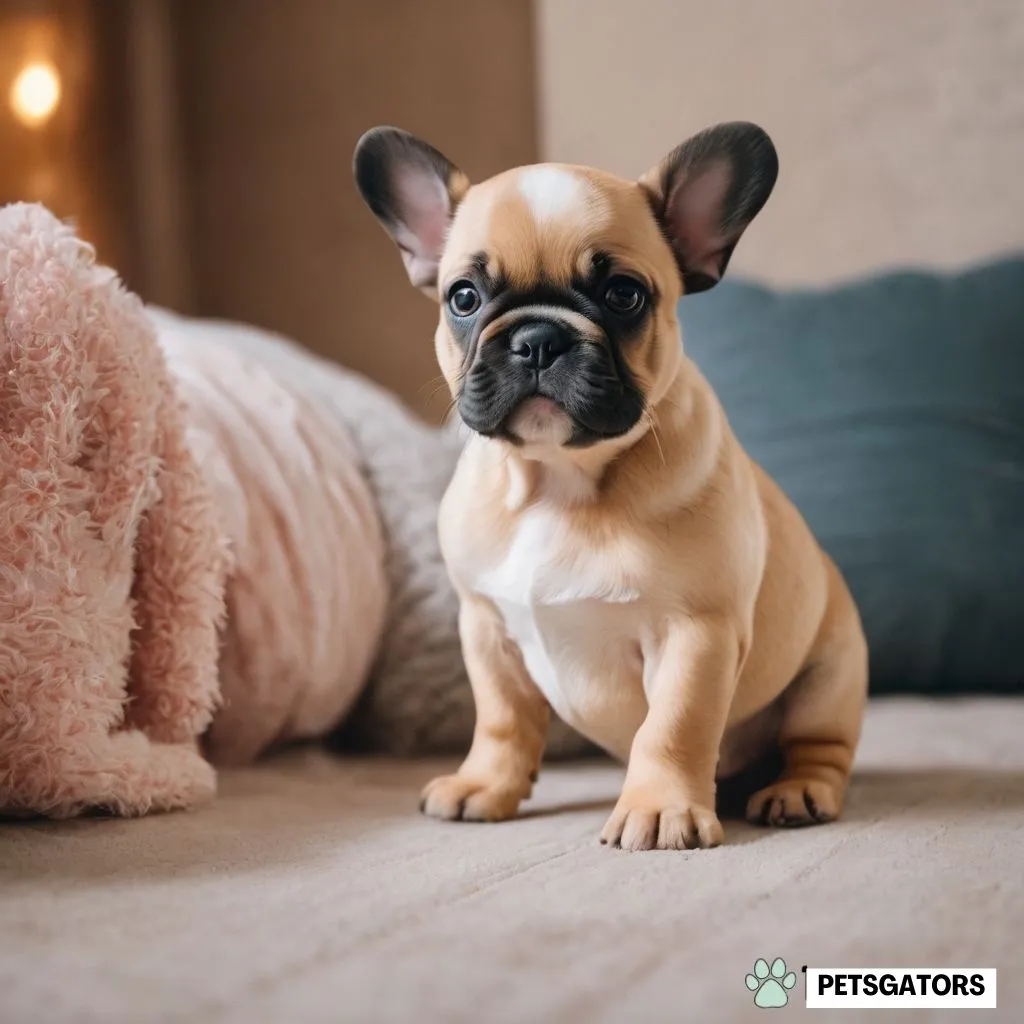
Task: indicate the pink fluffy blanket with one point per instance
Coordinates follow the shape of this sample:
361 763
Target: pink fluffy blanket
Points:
137 505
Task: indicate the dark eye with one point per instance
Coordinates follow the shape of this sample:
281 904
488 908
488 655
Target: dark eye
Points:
463 299
624 297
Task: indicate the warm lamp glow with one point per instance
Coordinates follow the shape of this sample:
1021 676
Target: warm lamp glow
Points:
35 94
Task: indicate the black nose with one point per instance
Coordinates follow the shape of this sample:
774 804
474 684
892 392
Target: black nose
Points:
539 344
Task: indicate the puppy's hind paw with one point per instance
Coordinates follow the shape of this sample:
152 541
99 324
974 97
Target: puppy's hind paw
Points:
792 803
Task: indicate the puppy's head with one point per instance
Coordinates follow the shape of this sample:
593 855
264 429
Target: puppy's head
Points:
558 284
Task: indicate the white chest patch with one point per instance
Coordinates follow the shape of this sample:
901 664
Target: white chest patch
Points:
579 625
553 193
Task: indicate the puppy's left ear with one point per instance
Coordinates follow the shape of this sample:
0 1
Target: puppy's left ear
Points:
706 192
413 191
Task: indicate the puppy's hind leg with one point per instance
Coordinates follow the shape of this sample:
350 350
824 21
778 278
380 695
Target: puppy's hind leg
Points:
822 712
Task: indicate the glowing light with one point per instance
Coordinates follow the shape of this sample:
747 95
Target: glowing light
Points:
35 94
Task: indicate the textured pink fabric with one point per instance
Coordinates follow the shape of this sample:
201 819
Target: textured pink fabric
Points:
111 562
307 592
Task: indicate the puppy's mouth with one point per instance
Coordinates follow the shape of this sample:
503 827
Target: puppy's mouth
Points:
540 420
542 381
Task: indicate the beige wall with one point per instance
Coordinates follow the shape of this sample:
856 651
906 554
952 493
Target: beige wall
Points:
900 123
274 96
73 162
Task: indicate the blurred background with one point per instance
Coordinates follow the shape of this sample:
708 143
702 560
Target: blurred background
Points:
204 146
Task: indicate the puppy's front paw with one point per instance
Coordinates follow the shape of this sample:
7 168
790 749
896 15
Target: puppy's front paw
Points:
640 823
791 803
461 798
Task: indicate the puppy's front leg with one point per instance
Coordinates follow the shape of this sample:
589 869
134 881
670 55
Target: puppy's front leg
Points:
512 718
668 798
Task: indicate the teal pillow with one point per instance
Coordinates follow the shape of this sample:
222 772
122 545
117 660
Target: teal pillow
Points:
891 411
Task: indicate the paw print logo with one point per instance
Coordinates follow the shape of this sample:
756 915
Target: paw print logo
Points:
771 985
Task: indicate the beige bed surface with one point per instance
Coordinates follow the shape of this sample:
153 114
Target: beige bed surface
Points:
312 891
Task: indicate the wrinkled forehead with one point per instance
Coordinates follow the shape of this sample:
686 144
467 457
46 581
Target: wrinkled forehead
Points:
548 222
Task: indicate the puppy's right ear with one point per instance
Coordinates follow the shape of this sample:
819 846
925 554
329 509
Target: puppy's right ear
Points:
413 191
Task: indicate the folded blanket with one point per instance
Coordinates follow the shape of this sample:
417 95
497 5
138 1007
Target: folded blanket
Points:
306 593
111 565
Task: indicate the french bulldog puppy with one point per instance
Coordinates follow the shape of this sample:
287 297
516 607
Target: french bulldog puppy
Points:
618 556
